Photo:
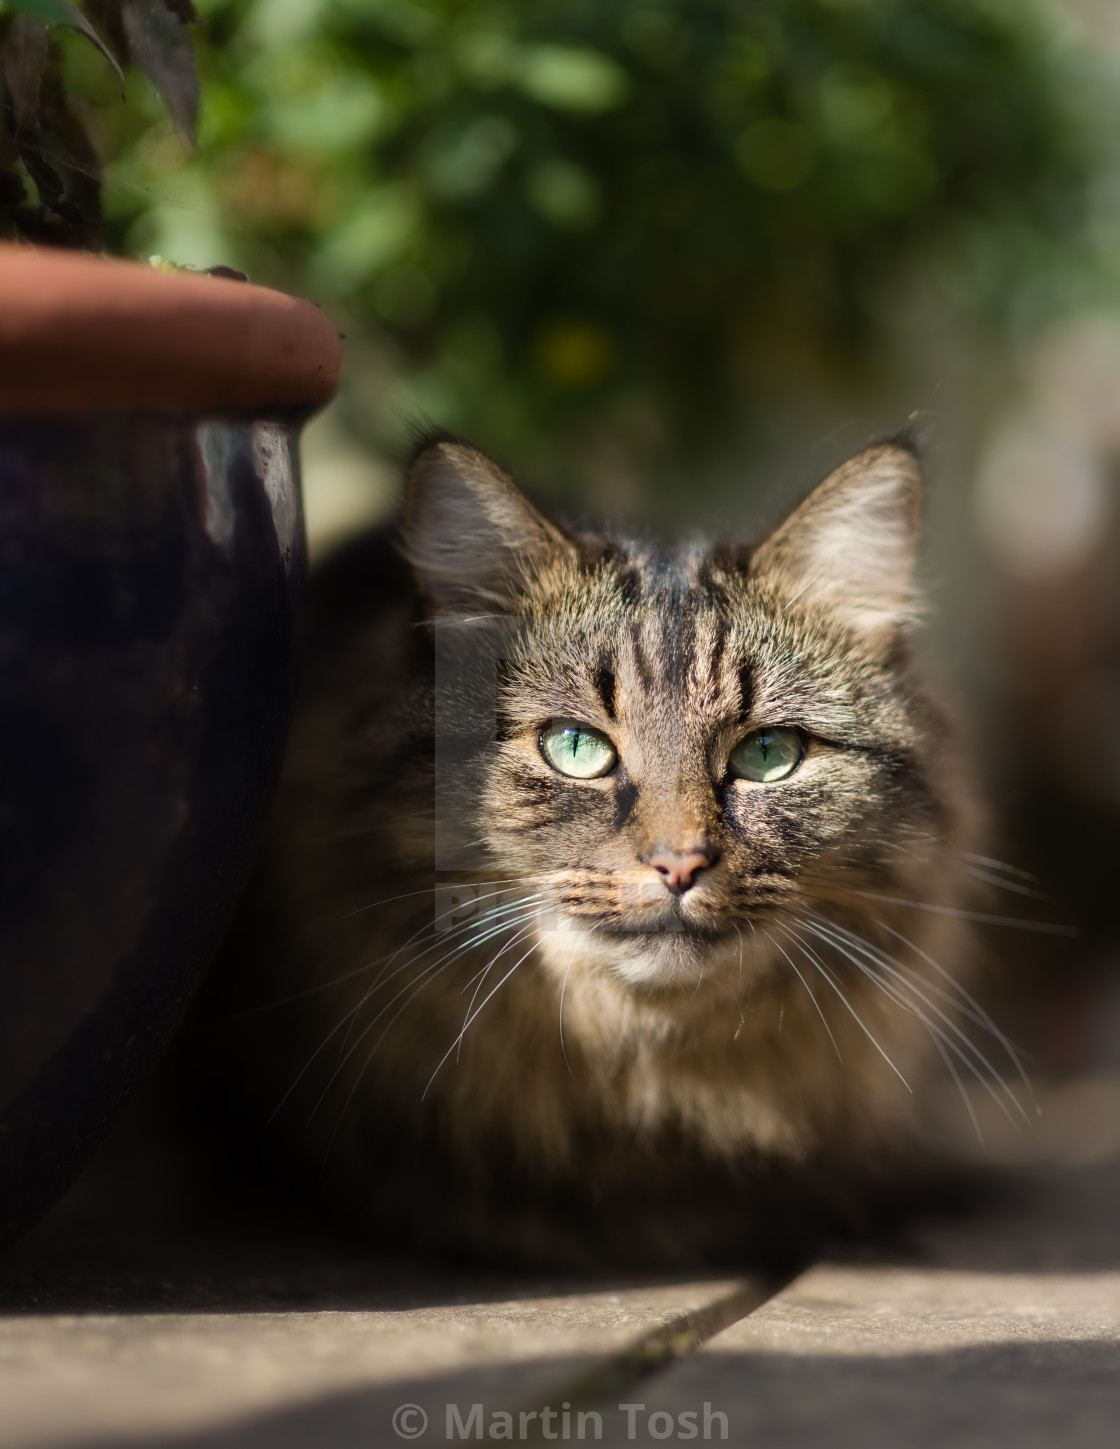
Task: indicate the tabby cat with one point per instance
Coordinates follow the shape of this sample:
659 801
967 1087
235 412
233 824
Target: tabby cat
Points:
612 903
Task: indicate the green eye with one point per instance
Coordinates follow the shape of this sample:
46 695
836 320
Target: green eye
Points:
767 755
577 750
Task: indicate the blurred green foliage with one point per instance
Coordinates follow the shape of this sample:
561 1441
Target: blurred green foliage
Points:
558 211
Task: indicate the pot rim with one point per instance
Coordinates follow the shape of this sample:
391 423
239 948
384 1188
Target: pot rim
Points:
83 333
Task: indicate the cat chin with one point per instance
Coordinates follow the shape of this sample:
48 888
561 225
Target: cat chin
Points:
664 960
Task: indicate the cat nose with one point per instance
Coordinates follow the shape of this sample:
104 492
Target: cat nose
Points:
679 868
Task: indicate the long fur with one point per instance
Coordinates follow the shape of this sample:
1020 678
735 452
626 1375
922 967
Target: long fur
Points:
479 1012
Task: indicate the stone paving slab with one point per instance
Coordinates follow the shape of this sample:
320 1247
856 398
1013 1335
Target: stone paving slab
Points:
949 1354
319 1376
904 1359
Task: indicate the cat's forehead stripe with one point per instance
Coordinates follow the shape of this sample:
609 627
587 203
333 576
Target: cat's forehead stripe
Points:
719 643
746 690
663 622
638 655
667 630
606 685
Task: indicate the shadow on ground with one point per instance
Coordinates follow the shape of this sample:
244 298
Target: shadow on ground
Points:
1032 1396
80 1263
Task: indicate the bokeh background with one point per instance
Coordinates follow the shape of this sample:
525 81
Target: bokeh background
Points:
671 260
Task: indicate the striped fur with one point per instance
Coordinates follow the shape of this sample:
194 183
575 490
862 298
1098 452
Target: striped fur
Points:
503 1034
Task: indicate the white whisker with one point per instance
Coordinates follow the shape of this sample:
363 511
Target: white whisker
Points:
472 1018
409 991
828 976
350 1015
1045 928
907 1003
809 990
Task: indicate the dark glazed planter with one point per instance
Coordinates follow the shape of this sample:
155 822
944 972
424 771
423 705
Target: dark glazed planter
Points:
151 561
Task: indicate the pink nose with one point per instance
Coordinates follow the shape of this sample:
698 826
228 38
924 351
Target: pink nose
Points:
678 868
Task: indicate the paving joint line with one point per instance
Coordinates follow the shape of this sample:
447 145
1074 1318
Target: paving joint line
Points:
669 1343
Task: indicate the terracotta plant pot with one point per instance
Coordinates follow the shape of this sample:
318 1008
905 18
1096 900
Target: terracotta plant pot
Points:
151 562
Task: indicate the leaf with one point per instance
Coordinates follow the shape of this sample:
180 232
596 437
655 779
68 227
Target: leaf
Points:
105 17
61 12
79 22
25 59
62 162
161 47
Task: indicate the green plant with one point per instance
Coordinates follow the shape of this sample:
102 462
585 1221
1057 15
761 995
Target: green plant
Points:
575 219
557 211
50 169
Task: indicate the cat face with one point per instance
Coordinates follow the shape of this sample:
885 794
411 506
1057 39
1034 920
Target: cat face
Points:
688 748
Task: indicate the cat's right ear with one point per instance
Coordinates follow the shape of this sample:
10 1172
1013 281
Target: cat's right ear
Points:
471 535
849 548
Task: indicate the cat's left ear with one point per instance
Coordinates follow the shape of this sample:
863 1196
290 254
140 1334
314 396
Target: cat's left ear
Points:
850 546
471 535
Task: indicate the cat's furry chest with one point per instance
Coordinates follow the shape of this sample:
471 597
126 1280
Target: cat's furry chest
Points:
569 1076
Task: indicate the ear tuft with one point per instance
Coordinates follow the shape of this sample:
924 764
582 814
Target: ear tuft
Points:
471 535
850 546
